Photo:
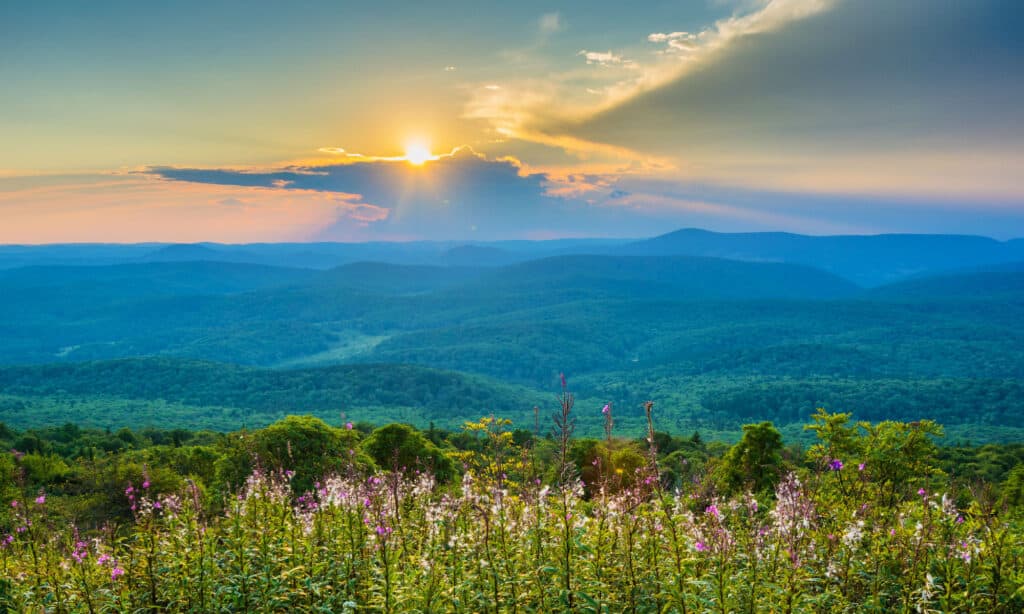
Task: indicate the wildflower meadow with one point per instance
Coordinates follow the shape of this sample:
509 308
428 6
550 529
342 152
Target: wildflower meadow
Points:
863 523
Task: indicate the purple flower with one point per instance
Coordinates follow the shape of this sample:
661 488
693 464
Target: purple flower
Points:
41 499
81 552
959 519
835 464
348 426
14 503
922 492
7 541
860 467
145 485
700 546
607 408
103 559
116 573
383 531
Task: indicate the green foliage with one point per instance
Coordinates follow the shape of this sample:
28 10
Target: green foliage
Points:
305 445
1013 487
401 447
44 469
755 463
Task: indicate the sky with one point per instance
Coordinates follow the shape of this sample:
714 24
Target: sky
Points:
351 121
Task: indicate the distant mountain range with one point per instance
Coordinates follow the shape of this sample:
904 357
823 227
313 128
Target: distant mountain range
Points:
867 260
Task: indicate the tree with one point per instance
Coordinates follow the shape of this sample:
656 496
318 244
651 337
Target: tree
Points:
900 455
754 463
837 439
400 446
1013 487
303 444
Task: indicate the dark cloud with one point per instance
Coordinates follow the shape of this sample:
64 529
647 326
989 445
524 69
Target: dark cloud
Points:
459 196
863 76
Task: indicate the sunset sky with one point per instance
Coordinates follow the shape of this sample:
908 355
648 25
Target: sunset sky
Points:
270 121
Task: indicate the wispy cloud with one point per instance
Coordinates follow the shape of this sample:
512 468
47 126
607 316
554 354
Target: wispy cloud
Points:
604 58
549 23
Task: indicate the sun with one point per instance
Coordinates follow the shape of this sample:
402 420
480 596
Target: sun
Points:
416 152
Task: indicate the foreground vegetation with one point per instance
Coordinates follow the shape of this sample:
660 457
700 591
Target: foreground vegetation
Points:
307 517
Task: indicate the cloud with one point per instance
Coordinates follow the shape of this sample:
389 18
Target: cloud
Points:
450 68
907 99
451 195
543 109
549 23
461 194
897 100
604 58
141 207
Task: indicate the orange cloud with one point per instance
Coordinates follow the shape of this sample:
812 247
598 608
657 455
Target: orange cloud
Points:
143 208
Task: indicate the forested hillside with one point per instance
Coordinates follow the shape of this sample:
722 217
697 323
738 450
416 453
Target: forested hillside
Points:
713 341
